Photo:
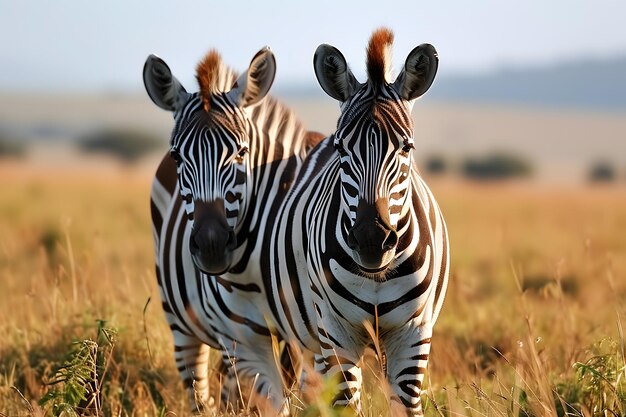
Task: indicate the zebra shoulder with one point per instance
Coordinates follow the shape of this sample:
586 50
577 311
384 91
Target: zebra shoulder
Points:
163 189
312 139
166 175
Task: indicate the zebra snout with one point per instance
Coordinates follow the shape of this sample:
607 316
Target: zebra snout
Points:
372 244
372 239
352 242
391 241
211 246
212 239
374 236
231 243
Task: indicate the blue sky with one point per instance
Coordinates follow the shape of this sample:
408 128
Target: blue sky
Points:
64 45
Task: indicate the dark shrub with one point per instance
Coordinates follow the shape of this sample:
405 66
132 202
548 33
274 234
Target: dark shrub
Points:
496 166
11 147
602 171
436 165
125 144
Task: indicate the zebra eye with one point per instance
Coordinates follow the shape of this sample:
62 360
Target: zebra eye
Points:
407 147
339 146
176 156
241 153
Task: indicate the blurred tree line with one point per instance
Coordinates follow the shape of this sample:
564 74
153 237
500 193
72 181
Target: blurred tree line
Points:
11 146
503 165
125 144
128 145
494 166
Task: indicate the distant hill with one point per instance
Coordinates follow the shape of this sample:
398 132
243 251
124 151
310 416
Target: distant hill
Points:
588 83
583 83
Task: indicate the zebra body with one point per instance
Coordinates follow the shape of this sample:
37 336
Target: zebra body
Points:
360 238
233 158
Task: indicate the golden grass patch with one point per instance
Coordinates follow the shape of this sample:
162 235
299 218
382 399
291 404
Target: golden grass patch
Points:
538 285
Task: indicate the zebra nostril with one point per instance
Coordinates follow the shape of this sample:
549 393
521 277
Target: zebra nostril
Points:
391 240
352 242
231 240
193 245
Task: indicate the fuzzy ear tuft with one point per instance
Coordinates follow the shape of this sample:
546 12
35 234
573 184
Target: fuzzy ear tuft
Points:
418 73
162 87
333 73
255 84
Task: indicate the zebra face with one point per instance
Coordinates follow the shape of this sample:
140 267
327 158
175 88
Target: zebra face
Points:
210 143
374 139
211 151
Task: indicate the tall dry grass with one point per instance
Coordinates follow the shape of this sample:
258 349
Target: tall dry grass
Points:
531 324
538 285
74 250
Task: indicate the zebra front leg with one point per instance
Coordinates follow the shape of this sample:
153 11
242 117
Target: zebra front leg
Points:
227 381
337 362
407 358
192 362
260 374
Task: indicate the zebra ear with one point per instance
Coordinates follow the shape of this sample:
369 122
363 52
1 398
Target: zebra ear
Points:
162 87
333 73
254 85
418 73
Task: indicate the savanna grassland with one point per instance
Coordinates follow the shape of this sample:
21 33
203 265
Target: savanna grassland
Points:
532 324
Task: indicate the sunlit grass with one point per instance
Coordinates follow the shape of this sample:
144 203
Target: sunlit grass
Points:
531 324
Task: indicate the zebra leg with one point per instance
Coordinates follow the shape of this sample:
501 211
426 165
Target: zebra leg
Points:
336 362
291 366
269 392
192 362
258 367
407 358
229 392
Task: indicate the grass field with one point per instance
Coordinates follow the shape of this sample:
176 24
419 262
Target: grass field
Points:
532 324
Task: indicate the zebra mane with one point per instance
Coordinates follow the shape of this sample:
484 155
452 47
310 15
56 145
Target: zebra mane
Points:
213 77
379 56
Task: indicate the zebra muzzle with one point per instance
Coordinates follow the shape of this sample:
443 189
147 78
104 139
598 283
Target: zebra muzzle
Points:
373 239
212 240
372 244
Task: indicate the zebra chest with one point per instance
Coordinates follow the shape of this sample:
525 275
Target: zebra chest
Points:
354 299
234 303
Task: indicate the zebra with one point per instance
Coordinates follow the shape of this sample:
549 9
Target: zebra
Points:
360 245
233 155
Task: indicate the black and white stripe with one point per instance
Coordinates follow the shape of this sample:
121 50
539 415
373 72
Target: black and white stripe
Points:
320 294
247 156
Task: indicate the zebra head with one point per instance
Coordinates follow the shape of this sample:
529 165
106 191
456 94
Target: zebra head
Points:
374 140
210 143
